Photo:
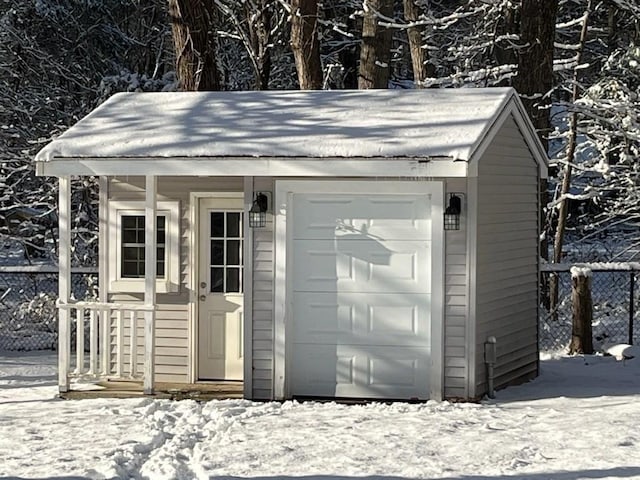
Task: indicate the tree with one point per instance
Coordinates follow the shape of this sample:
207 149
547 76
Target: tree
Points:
58 60
375 52
259 14
534 83
195 44
534 80
305 43
414 36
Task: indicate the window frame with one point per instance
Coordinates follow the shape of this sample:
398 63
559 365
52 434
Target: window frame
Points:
170 282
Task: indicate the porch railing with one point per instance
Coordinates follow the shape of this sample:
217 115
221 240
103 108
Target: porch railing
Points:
101 333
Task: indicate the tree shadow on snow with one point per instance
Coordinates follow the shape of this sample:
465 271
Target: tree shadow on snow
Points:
23 381
587 376
618 472
72 477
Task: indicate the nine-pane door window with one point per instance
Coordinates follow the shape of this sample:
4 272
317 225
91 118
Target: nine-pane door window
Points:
226 262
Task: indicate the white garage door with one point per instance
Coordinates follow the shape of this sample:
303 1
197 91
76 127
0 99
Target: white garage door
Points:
361 295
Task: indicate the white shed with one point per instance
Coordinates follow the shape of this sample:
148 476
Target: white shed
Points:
352 287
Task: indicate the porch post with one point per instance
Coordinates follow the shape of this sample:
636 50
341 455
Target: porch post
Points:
64 282
150 281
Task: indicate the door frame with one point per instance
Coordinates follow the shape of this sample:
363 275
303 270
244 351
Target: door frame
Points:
194 261
285 190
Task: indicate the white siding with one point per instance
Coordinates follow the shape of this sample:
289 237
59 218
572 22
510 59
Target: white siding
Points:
455 310
173 326
507 256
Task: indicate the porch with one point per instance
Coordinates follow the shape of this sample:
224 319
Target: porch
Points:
163 390
91 335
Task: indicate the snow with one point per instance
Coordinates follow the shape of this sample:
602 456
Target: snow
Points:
579 419
621 351
426 123
580 272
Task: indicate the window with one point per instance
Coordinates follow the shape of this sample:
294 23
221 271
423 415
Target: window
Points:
126 246
225 259
133 238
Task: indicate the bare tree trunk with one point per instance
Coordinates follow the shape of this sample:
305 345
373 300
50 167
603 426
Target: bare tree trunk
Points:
581 335
414 34
195 44
260 38
535 60
534 81
305 43
375 52
563 210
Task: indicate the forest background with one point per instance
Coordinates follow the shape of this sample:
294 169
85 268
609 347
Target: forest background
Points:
575 64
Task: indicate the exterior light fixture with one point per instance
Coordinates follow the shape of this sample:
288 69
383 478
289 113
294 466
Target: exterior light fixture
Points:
452 213
258 212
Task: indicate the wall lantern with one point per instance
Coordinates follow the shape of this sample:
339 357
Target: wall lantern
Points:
452 213
258 212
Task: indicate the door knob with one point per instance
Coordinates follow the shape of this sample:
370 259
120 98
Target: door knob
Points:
203 298
203 284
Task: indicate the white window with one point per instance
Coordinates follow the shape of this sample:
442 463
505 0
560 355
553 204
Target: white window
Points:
126 246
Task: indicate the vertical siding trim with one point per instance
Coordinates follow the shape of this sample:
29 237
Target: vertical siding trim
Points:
248 291
150 254
437 273
192 324
472 260
103 238
282 202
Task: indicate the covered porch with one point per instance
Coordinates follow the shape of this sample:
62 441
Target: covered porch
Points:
112 388
105 337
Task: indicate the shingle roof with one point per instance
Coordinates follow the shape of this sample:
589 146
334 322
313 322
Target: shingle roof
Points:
313 124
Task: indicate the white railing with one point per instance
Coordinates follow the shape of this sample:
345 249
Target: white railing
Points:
106 324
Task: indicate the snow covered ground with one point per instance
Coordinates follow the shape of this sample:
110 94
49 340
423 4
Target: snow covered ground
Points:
580 419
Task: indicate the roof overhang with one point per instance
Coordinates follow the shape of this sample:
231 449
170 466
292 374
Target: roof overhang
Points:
250 166
513 107
373 133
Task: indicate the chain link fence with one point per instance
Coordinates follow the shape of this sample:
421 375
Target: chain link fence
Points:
28 314
614 294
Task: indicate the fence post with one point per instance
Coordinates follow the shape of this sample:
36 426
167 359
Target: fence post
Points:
581 336
632 292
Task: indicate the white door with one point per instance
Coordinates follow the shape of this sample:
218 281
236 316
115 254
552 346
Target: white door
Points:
220 344
361 293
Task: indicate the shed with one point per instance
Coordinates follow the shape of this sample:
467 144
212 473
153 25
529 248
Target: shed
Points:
351 287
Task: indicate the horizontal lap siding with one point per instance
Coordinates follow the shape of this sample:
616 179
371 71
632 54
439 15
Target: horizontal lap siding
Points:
172 316
507 256
172 343
455 309
263 275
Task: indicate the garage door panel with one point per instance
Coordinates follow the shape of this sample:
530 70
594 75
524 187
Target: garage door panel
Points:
360 295
321 318
362 319
351 371
361 265
389 216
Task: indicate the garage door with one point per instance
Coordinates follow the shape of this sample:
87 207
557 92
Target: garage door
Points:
361 295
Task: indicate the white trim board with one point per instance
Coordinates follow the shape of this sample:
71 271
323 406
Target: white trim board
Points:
258 167
283 208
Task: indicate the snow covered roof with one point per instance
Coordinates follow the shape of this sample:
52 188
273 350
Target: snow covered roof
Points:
431 123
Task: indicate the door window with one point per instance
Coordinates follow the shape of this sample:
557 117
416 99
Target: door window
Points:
225 252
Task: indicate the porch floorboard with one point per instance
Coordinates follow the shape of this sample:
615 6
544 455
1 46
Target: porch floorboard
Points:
175 391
